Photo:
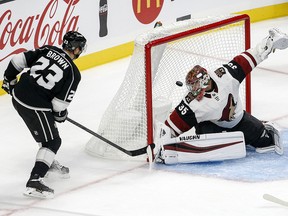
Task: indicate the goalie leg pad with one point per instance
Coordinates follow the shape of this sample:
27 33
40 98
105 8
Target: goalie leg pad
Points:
203 148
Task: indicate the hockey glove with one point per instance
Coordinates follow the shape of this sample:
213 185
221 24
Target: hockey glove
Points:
8 85
60 116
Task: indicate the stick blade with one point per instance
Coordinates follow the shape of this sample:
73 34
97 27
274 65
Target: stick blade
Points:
274 199
141 151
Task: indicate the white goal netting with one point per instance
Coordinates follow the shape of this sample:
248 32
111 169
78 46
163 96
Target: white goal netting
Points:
161 57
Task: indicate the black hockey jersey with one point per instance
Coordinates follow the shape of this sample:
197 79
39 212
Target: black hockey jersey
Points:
50 82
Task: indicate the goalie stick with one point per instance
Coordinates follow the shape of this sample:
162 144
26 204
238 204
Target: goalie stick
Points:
274 199
131 153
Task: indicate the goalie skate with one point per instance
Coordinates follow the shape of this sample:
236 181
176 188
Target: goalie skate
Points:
276 132
35 187
159 157
58 170
277 144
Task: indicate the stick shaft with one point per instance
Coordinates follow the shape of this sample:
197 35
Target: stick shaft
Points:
130 153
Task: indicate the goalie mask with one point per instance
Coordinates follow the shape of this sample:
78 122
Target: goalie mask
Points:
197 81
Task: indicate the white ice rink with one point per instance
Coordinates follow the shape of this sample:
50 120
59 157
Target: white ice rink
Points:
121 188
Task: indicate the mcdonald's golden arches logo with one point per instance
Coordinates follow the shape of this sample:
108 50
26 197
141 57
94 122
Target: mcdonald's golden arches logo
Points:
146 11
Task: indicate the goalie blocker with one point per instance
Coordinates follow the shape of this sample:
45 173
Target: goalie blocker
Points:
201 148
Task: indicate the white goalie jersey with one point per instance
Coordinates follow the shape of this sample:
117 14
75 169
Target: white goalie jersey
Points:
220 108
222 105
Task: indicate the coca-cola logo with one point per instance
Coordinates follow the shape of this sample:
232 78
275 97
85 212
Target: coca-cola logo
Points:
73 2
146 11
47 27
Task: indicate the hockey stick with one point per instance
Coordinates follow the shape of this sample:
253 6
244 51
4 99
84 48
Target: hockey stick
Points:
275 200
132 153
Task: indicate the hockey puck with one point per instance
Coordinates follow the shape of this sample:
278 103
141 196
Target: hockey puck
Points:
179 83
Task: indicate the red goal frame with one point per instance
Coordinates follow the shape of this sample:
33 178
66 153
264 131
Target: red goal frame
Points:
208 27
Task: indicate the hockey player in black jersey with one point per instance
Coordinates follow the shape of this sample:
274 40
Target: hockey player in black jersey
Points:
41 97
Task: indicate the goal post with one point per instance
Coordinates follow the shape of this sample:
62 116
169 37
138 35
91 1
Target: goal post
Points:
161 57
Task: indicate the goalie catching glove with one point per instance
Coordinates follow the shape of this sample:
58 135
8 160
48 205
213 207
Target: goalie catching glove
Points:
60 116
9 84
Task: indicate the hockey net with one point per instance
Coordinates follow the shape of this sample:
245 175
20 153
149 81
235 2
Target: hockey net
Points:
161 57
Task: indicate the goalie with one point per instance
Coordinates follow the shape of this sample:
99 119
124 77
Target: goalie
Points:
211 106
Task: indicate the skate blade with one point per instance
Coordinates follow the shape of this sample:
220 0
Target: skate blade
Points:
32 192
265 149
279 146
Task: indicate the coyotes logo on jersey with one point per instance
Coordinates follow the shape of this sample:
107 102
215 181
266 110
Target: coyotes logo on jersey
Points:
228 113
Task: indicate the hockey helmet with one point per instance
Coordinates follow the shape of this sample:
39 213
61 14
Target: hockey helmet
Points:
73 40
197 81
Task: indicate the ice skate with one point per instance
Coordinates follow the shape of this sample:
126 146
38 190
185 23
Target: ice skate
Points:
266 149
277 144
57 170
276 133
158 156
36 187
275 40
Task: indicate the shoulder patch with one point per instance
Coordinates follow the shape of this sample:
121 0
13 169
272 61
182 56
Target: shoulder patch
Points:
220 72
189 97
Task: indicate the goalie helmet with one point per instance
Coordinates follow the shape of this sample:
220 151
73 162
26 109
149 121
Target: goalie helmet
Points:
73 40
197 81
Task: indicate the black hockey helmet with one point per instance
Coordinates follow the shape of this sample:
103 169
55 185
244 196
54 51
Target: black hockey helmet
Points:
73 40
